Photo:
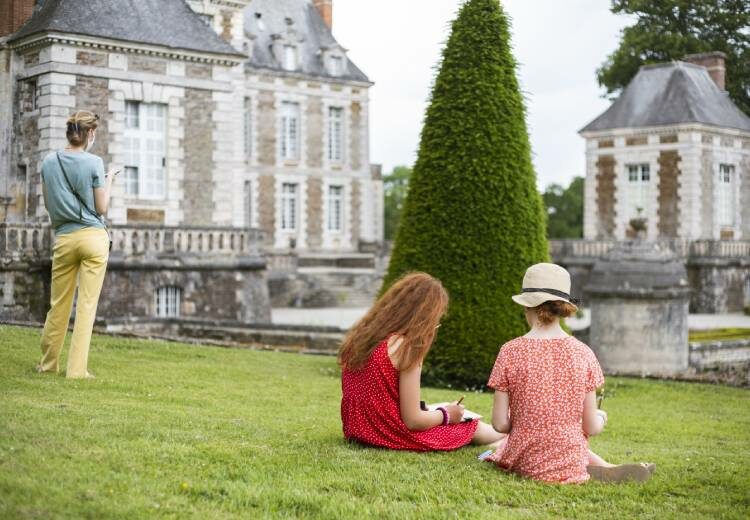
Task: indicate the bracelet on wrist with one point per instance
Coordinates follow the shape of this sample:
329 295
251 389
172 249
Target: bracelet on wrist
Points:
446 417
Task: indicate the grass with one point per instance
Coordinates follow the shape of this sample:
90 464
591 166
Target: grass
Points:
170 430
718 334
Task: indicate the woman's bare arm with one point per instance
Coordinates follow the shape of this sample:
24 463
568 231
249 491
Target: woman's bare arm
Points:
593 419
500 406
413 416
102 195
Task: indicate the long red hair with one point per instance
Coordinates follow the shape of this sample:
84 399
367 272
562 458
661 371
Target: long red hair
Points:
412 308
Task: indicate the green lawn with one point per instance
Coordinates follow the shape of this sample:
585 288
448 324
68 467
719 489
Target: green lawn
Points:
171 430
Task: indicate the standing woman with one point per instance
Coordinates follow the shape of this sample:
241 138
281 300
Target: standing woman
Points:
76 194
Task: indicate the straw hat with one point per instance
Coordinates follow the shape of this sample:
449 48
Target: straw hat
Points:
544 283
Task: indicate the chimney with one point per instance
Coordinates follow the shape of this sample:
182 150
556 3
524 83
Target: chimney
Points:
13 14
325 8
714 62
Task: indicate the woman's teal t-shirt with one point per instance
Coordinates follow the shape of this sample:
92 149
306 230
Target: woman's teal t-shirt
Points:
85 172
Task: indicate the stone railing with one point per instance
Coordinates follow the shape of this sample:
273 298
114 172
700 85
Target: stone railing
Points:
158 240
19 240
25 239
570 249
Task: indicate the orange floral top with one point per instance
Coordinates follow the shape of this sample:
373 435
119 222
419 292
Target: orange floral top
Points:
546 381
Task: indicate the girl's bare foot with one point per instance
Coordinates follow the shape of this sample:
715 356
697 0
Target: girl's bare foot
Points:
622 472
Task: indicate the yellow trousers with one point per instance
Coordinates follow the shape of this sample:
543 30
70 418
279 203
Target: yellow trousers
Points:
79 258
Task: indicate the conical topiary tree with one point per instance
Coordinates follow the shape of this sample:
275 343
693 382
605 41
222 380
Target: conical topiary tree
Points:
473 217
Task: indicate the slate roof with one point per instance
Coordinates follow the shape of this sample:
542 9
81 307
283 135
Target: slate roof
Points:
307 22
167 23
667 94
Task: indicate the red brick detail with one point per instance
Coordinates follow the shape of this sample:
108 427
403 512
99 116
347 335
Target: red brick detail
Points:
606 193
668 198
13 14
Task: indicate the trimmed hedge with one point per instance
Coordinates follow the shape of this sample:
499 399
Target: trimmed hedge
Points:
473 216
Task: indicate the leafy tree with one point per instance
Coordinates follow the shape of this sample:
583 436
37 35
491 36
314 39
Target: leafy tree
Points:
395 187
564 209
670 29
473 216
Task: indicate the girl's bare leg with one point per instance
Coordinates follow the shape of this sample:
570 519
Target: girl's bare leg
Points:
486 435
596 460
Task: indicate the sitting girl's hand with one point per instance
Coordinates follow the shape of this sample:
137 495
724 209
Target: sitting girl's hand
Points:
455 413
603 415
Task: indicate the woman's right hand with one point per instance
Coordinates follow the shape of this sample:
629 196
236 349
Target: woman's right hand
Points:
455 413
603 415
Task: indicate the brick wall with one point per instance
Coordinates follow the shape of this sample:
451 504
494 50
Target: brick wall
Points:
137 63
606 194
266 122
198 70
314 212
198 185
315 128
707 194
668 198
93 94
356 211
355 130
267 205
97 59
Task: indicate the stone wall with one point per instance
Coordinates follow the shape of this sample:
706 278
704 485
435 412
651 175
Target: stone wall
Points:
356 211
230 293
96 59
267 205
707 193
668 197
355 130
93 94
138 63
315 126
266 121
744 169
198 184
719 286
605 195
314 212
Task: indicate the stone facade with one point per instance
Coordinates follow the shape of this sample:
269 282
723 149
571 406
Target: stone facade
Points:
682 197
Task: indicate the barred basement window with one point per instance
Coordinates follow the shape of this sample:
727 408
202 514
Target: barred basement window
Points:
335 206
726 199
167 301
335 133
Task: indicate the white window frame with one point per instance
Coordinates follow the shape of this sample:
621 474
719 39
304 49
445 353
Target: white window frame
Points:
289 57
145 148
289 206
639 189
726 199
337 65
168 301
335 208
335 134
290 130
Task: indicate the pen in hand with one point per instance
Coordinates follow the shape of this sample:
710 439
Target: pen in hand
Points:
460 399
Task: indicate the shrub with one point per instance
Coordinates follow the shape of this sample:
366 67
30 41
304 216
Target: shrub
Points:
473 216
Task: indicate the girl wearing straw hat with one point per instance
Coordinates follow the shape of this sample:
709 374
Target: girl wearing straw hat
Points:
545 392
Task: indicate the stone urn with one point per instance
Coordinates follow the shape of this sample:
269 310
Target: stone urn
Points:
639 295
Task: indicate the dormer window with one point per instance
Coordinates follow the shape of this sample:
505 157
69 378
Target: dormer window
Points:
290 57
337 65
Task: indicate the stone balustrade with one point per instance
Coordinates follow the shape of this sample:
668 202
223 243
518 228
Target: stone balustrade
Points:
592 249
31 240
19 240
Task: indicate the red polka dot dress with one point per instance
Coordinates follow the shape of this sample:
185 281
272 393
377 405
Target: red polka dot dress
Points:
546 381
370 411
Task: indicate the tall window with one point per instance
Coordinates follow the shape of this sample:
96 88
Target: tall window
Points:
145 149
248 137
335 206
290 57
289 130
288 206
167 301
639 182
727 190
335 133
